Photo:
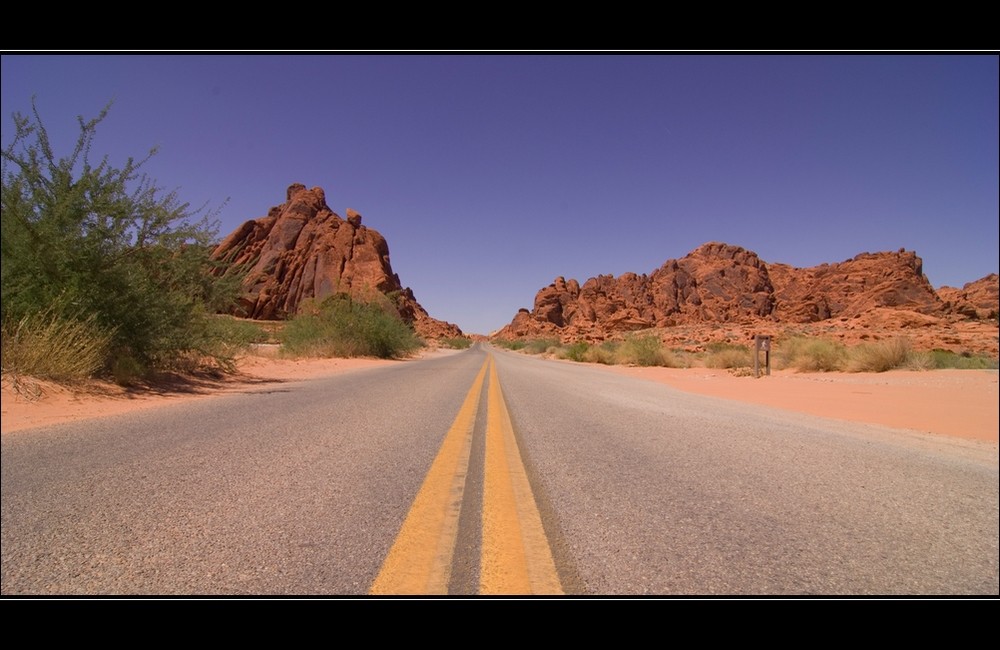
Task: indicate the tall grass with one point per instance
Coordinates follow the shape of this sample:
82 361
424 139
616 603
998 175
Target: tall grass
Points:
728 355
48 346
341 327
807 354
879 356
645 350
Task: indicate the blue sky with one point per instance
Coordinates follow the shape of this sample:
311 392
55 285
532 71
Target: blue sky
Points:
490 175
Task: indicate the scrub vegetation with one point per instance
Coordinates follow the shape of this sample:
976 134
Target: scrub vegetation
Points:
104 273
341 327
804 354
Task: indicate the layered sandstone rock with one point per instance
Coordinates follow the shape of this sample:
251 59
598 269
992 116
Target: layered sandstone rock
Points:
979 299
304 251
719 284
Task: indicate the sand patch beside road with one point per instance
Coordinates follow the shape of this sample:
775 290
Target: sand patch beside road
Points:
961 403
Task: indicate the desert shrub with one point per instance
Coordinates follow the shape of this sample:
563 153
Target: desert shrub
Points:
540 346
342 327
86 242
515 344
222 338
605 353
879 356
457 343
728 355
941 359
48 346
643 350
574 352
807 354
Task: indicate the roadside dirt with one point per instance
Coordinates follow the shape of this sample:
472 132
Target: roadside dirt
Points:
961 403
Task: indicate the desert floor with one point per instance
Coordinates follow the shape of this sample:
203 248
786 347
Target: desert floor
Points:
962 403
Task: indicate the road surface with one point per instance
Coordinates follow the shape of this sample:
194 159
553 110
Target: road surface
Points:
490 472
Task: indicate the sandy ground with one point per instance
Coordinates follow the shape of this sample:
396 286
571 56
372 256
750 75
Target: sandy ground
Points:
961 403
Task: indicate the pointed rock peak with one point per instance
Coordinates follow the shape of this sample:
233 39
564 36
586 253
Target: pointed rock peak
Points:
303 252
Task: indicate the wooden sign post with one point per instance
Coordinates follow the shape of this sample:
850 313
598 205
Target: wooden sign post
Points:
761 342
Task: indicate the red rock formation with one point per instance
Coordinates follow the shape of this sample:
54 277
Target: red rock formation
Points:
722 284
303 251
979 299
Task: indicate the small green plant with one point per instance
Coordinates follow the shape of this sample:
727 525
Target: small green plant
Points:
342 327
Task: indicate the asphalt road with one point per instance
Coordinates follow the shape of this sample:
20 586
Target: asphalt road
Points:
303 488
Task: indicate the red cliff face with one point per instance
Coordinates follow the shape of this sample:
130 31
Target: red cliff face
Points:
723 284
302 250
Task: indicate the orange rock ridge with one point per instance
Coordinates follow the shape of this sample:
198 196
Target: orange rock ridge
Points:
723 292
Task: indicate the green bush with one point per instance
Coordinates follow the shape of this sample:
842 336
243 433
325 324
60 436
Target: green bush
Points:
643 350
965 361
509 344
84 241
540 346
457 343
342 327
574 352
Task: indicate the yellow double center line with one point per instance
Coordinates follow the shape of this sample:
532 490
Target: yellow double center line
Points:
515 556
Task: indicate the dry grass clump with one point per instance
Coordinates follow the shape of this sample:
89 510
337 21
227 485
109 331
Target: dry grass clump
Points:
728 355
807 354
48 346
879 356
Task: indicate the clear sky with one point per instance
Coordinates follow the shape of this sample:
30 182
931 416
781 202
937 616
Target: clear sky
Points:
490 175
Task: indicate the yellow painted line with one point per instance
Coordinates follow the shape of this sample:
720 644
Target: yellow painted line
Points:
419 561
516 558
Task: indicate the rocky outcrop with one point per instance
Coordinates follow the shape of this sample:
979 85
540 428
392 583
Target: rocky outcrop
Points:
304 251
854 287
724 284
979 299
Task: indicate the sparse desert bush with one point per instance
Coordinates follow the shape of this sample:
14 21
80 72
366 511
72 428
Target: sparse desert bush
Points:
540 346
342 327
223 338
605 353
574 352
457 342
516 344
941 359
48 346
879 356
644 350
807 354
728 355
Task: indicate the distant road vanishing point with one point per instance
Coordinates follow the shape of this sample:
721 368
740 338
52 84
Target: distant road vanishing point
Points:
486 472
